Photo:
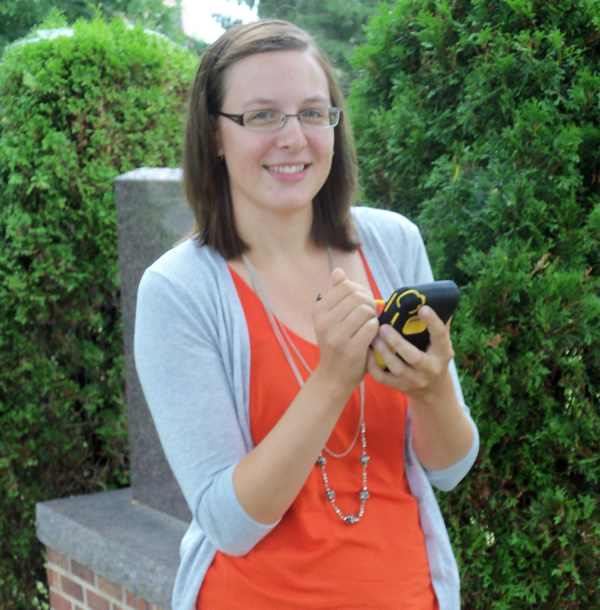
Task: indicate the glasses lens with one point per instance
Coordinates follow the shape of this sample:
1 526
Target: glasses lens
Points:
320 118
316 118
263 120
334 116
270 120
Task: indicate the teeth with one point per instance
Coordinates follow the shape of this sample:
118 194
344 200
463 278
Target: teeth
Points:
286 169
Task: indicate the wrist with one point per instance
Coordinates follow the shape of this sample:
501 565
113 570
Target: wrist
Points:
331 386
438 395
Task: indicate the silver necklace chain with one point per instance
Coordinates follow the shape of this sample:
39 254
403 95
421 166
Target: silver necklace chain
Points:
309 371
280 331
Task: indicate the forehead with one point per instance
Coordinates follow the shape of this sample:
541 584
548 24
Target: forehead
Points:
276 77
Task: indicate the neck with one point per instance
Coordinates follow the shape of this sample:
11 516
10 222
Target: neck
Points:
279 238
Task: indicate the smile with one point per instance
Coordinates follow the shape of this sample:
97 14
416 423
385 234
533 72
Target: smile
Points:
286 169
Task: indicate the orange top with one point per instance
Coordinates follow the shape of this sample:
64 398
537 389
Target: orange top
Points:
312 559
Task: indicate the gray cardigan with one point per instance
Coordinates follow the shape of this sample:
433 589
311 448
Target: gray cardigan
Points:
193 359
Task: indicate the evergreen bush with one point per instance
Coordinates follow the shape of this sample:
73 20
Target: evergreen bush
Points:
77 109
481 121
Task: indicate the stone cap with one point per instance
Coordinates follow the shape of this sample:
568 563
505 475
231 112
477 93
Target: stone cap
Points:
118 537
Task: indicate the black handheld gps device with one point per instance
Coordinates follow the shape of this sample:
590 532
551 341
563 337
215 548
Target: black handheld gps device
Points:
400 310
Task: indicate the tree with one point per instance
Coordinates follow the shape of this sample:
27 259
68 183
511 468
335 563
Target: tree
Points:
338 25
18 17
77 111
480 120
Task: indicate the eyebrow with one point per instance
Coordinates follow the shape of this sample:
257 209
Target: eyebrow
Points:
271 103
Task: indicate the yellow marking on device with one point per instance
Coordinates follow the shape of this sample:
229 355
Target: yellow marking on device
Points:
391 300
418 294
379 359
414 326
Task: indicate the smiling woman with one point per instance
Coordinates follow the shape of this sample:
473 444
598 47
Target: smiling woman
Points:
280 169
269 403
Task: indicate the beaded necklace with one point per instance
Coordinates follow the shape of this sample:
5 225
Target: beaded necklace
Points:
284 340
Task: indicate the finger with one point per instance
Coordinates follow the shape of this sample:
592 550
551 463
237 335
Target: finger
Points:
408 381
344 346
356 303
362 323
359 327
375 365
390 341
388 355
396 374
439 333
434 324
337 275
344 297
383 374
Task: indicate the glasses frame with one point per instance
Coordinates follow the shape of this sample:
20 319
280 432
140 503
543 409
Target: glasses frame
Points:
239 119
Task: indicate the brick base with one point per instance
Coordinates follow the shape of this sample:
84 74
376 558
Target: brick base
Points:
72 586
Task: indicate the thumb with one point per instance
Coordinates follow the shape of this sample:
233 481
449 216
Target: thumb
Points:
337 276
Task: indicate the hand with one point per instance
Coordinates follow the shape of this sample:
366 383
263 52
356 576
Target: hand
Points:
441 430
417 373
346 323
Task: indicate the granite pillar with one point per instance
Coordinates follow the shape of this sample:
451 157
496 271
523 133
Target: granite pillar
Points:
152 215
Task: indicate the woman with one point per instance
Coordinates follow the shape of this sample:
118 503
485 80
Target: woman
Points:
306 465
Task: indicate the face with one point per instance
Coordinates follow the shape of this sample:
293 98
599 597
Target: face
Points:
275 172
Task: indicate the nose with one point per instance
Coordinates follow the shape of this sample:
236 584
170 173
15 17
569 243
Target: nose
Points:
292 133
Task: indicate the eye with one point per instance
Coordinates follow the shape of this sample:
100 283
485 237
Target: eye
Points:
262 117
314 114
315 117
259 115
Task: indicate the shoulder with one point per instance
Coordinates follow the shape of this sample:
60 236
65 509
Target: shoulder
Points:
372 221
385 230
189 265
393 247
186 257
189 276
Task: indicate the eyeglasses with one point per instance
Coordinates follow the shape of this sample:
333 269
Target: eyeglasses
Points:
271 120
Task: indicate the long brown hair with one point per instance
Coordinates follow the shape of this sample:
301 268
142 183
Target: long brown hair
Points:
205 175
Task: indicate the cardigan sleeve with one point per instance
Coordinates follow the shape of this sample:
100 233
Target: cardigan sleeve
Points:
397 257
447 478
180 354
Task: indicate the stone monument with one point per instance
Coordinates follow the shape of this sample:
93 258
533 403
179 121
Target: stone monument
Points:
152 215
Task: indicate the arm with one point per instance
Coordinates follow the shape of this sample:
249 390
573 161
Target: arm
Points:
192 387
443 433
397 257
237 492
268 478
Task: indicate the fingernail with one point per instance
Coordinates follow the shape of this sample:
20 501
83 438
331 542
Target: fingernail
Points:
425 311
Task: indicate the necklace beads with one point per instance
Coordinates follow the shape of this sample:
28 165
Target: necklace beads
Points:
280 331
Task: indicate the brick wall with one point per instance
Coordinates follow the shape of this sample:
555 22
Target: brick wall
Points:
72 586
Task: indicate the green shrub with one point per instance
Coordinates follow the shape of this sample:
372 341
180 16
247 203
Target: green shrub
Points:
481 121
76 111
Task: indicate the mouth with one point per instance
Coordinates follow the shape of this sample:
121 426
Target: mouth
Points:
287 169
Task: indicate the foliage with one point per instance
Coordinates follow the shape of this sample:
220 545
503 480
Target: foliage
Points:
338 25
18 17
77 111
481 121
